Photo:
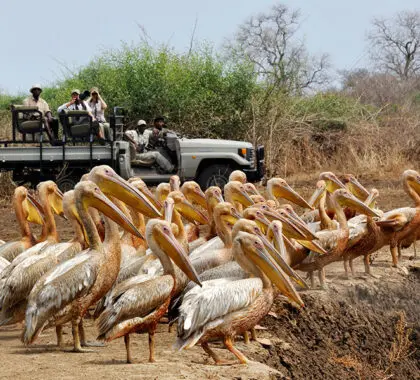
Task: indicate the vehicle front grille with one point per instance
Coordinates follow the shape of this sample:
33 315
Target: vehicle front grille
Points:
250 156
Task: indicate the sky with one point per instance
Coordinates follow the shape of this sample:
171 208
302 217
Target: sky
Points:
45 38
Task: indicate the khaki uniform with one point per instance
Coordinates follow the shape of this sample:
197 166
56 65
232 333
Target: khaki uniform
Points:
41 104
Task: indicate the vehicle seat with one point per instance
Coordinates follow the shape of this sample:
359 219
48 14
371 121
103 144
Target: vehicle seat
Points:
77 124
27 120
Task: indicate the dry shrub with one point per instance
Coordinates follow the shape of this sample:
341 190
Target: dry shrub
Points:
363 140
401 346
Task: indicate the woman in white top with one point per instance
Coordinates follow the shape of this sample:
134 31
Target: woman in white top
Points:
98 107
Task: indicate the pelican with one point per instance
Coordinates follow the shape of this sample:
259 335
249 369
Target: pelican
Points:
238 175
17 286
223 308
402 225
75 285
26 210
335 241
138 309
236 194
279 188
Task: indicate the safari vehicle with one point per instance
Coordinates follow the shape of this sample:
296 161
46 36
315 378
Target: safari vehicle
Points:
31 158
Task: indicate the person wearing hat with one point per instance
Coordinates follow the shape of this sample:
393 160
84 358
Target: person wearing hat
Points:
145 144
35 100
98 106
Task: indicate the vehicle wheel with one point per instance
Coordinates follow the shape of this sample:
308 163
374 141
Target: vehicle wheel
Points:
67 183
214 175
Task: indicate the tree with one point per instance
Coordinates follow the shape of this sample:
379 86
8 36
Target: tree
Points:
270 42
394 44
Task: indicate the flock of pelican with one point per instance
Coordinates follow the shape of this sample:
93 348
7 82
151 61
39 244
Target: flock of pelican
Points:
212 262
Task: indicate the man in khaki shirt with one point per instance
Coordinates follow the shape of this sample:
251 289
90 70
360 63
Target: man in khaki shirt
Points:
35 100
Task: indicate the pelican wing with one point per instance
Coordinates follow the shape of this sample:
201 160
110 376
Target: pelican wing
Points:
3 264
56 289
397 219
136 302
205 307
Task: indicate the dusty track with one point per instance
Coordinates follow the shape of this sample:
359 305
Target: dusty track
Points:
346 332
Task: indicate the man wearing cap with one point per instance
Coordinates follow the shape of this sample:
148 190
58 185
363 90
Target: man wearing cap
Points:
145 144
35 100
76 104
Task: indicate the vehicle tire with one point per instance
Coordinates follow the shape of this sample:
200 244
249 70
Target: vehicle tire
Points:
67 183
214 175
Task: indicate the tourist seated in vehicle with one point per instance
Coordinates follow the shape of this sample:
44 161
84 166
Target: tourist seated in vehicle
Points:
147 145
98 107
134 136
35 100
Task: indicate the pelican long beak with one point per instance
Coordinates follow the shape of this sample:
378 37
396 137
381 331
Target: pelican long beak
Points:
291 228
146 191
316 196
199 197
357 189
312 246
243 198
286 192
276 275
279 256
99 201
189 212
333 183
174 250
370 201
168 209
359 206
112 184
34 210
56 202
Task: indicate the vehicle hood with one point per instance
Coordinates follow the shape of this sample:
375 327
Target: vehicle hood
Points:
211 144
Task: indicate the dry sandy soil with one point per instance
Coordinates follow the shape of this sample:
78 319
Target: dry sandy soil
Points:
362 328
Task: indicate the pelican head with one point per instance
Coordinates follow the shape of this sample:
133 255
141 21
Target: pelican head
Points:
140 185
251 248
88 194
32 210
411 178
251 189
225 213
162 241
235 192
186 209
345 198
112 184
237 175
355 187
174 183
333 183
257 215
162 191
50 190
321 188
257 198
193 193
213 196
279 188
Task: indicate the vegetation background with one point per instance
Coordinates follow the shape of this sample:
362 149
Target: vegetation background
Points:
264 86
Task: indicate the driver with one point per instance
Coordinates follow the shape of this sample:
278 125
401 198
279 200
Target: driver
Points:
148 143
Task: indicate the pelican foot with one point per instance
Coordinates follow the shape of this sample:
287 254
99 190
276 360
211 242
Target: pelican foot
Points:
80 350
93 344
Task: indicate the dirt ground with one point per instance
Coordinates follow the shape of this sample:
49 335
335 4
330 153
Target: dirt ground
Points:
362 328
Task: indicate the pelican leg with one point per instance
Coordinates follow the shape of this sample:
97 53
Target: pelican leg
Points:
253 334
312 278
366 260
127 348
246 337
152 346
59 334
229 345
351 267
394 252
346 268
414 247
83 340
76 337
321 276
399 250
